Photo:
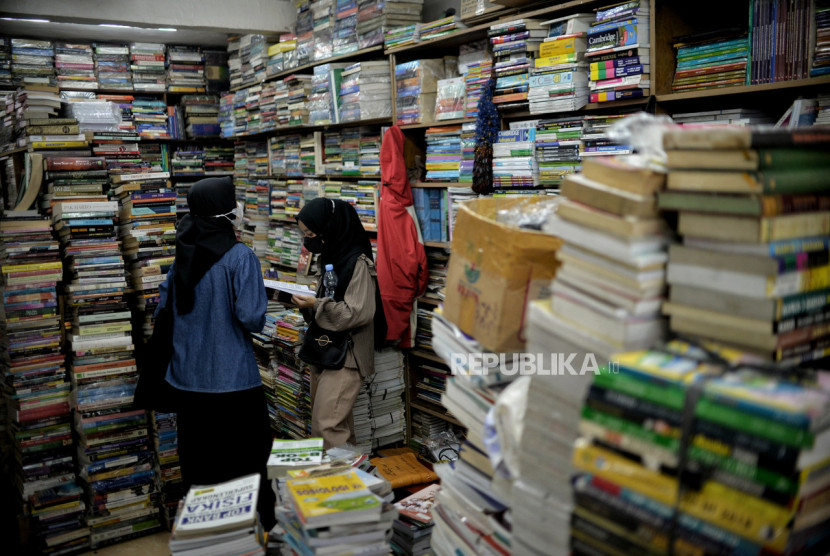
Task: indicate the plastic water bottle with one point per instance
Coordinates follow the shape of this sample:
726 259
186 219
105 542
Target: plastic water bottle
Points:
330 281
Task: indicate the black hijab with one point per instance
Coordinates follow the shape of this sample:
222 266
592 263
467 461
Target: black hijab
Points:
337 224
200 239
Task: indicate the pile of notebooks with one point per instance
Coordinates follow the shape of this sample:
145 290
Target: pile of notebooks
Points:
379 410
618 51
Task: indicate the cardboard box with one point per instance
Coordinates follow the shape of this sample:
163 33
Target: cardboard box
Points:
495 270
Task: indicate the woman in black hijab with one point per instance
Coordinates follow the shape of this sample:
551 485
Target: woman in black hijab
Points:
332 228
218 300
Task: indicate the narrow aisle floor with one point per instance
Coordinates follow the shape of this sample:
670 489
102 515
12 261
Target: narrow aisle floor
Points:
151 545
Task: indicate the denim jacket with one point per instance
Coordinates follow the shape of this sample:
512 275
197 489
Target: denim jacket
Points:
212 348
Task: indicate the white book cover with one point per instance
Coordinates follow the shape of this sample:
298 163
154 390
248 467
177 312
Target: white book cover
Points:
215 508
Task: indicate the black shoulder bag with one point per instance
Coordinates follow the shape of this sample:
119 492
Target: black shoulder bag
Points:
325 348
153 392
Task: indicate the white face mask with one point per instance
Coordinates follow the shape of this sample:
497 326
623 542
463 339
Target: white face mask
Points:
237 213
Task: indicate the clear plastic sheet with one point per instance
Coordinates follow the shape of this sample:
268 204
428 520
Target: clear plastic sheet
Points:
643 132
443 447
528 215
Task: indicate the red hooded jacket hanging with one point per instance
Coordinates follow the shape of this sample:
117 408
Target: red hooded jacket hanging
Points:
402 260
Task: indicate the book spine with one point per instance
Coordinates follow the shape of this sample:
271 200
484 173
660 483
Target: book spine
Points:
776 432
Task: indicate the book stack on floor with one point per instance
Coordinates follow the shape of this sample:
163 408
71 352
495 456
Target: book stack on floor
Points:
595 142
112 66
185 69
201 115
727 116
756 458
147 62
37 396
618 51
514 163
338 510
416 86
164 431
754 213
365 92
611 228
558 81
75 66
33 62
220 519
379 410
821 56
443 153
293 380
412 530
557 149
515 46
266 357
375 17
711 60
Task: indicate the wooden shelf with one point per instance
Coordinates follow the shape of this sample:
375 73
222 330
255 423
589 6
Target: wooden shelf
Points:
355 56
311 127
14 151
590 107
745 89
426 355
444 244
436 184
439 123
441 415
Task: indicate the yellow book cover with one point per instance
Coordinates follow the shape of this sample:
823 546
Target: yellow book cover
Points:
564 45
556 60
7 269
333 500
57 144
403 470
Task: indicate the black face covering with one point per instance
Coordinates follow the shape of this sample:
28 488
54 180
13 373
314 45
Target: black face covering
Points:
340 237
313 244
201 240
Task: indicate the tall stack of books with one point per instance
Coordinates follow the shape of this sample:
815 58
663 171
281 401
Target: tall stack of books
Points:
310 153
753 207
412 530
164 431
751 479
365 92
37 392
821 56
557 149
125 103
75 66
147 62
150 117
440 27
475 63
112 66
558 81
708 61
268 106
344 38
468 146
283 114
342 505
322 12
332 154
33 62
6 62
256 221
253 114
201 114
234 62
443 153
369 152
304 31
266 358
216 71
416 85
514 163
324 100
299 88
350 151
379 410
279 54
515 46
595 141
225 116
185 69
610 227
375 17
293 380
619 34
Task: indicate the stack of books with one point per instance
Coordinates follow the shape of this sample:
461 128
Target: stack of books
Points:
402 36
369 153
216 71
279 53
558 81
188 161
75 66
475 64
6 63
220 519
185 69
304 30
751 480
440 27
378 412
164 432
332 154
268 105
468 147
283 114
147 62
150 117
618 36
754 213
375 17
821 56
595 141
515 46
292 156
299 89
125 104
727 116
310 153
254 231
324 100
33 370
201 114
266 357
365 92
33 62
432 212
425 426
412 530
322 12
610 227
345 28
112 66
416 85
514 163
293 379
350 151
226 115
443 153
557 149
708 61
